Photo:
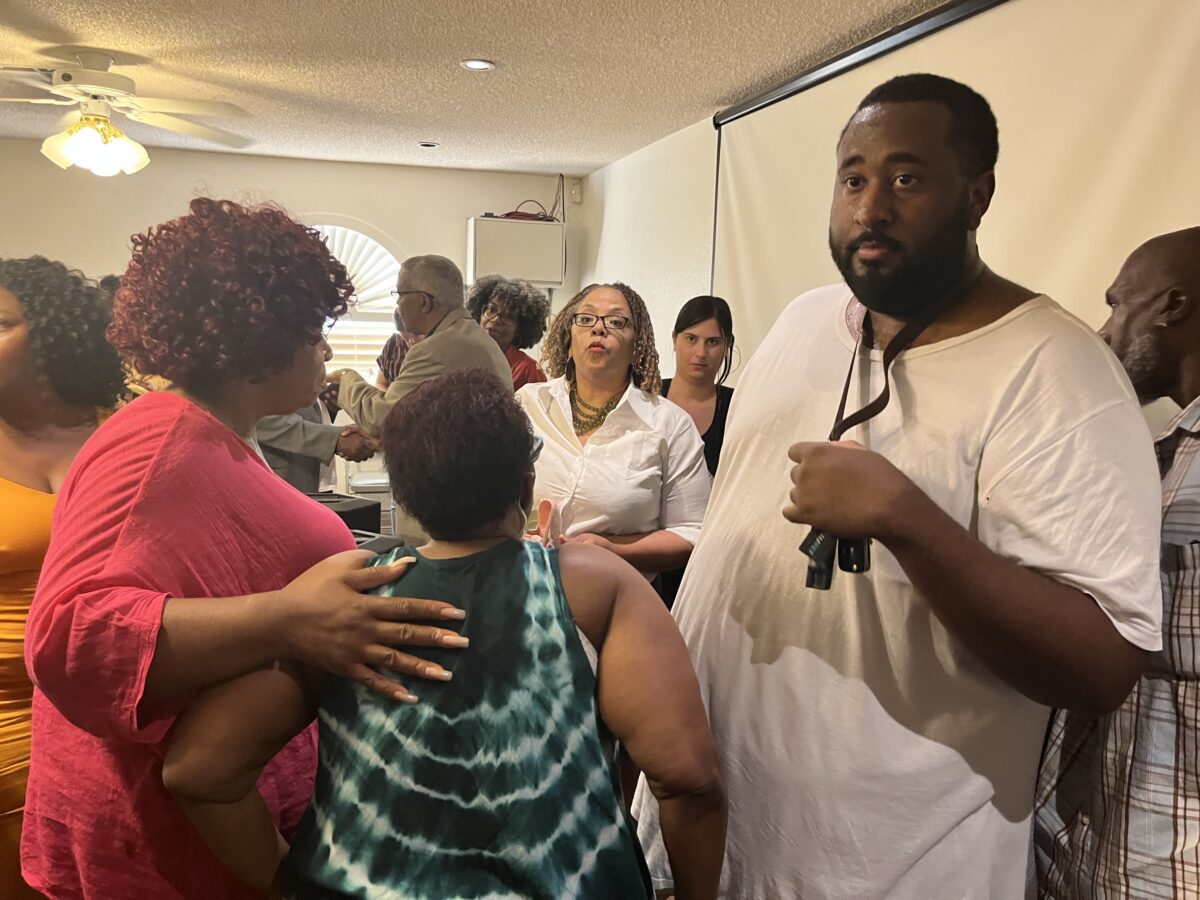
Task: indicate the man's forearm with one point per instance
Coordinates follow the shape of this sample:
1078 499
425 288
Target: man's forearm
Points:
366 405
1046 639
295 434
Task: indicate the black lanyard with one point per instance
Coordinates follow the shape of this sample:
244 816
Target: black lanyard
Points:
907 335
820 546
897 345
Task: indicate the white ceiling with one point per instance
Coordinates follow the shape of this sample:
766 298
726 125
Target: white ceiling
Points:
578 84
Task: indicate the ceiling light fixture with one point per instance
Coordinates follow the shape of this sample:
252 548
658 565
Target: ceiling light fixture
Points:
478 65
428 145
96 144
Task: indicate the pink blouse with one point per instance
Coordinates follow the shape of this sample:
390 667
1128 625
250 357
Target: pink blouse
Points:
162 501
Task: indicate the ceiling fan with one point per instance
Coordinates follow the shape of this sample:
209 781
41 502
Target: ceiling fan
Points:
89 137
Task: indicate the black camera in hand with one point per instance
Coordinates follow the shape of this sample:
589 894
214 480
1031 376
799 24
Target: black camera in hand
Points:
823 548
854 554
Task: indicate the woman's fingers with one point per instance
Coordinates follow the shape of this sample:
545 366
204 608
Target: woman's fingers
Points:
385 655
370 577
373 681
408 634
399 609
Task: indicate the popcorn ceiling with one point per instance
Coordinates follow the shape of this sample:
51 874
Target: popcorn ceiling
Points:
578 84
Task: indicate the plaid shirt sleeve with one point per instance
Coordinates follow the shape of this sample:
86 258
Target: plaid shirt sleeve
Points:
1118 802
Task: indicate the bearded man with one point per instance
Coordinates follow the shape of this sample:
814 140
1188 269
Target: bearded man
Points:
880 738
1119 795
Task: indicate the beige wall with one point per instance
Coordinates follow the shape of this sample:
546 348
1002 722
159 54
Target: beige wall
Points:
648 221
86 221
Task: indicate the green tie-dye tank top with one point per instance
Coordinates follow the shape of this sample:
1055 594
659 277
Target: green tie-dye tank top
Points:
498 783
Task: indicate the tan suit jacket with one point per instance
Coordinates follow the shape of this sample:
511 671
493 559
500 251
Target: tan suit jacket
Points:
456 343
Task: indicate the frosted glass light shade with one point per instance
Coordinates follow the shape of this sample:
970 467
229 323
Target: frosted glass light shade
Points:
95 144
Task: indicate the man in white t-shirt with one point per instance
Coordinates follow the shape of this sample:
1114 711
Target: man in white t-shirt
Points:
881 738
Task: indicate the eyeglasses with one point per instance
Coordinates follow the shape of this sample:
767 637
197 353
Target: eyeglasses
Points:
399 295
611 323
491 311
536 451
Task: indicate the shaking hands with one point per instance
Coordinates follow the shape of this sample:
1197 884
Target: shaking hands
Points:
355 445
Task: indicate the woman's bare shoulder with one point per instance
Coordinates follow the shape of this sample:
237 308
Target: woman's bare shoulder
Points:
591 579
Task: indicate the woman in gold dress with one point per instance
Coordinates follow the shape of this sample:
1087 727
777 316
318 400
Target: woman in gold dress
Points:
57 375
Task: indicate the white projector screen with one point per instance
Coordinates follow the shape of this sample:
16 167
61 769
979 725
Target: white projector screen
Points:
1098 103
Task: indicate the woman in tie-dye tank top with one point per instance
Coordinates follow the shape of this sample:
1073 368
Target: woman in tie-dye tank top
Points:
499 782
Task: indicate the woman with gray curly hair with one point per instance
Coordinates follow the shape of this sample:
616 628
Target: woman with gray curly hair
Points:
622 467
514 313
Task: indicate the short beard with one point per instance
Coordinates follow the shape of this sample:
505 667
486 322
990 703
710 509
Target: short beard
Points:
924 276
1143 361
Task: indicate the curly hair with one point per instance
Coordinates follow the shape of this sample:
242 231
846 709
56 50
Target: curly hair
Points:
226 293
67 315
530 306
108 291
457 452
556 355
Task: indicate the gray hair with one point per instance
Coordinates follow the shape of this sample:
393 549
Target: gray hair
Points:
438 276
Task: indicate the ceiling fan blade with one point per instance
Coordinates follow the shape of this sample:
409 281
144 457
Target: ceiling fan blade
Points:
191 129
183 107
27 86
38 101
26 75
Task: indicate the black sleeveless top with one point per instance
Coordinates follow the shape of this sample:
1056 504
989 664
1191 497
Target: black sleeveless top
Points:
668 582
715 436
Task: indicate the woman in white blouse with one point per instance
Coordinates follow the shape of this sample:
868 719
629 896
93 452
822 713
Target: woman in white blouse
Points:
623 467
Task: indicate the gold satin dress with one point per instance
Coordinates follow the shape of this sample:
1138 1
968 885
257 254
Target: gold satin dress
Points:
24 536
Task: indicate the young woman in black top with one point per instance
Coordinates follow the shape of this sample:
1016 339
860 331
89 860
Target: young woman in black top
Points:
703 338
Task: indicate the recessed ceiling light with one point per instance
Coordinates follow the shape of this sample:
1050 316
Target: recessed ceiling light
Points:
428 145
478 65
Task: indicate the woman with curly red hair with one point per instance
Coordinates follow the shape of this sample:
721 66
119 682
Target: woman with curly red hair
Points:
178 560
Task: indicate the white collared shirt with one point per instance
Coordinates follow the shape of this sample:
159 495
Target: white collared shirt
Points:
642 470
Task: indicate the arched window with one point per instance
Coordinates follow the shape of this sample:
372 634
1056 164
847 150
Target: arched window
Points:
359 336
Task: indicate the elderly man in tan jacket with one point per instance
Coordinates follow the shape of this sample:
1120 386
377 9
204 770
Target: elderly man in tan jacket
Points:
429 299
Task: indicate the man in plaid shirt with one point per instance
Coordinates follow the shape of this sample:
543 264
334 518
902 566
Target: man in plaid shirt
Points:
1119 796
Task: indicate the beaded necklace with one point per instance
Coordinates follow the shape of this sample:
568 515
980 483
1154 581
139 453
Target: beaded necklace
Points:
585 417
